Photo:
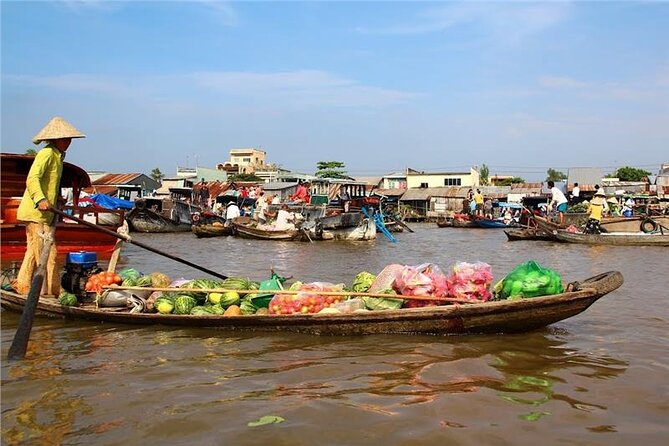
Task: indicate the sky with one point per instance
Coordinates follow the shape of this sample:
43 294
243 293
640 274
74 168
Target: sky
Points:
380 86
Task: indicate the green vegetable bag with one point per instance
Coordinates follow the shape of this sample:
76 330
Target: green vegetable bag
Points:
528 280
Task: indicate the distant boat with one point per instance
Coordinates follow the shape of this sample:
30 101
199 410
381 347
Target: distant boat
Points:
207 224
155 214
614 238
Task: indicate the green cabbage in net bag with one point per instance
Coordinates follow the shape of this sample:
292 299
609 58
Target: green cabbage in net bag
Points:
528 280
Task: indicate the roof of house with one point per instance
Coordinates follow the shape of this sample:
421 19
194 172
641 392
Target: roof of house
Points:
116 178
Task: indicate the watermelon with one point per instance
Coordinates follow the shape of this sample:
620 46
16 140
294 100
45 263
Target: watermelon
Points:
129 273
159 280
183 304
143 281
164 305
201 311
67 299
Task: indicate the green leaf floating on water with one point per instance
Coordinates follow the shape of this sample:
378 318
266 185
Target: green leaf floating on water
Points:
533 416
267 419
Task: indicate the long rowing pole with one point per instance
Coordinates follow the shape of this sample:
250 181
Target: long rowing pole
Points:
140 244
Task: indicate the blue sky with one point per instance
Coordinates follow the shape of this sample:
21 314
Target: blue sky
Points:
381 86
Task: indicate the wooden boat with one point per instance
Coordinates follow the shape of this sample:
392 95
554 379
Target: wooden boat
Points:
445 222
614 238
464 223
514 234
610 224
155 214
208 224
491 317
70 236
247 227
488 223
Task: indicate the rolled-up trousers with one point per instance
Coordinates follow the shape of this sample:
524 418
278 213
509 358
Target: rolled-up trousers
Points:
35 240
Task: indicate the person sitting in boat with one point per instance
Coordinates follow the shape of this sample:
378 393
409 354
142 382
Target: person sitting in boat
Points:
231 211
285 220
595 211
301 194
508 217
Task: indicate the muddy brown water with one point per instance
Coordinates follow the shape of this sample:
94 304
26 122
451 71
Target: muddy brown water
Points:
601 377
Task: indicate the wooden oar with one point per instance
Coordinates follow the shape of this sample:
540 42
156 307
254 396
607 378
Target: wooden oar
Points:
117 248
20 342
141 245
287 291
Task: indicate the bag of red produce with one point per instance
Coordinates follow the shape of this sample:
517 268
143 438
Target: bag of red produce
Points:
422 280
307 299
470 281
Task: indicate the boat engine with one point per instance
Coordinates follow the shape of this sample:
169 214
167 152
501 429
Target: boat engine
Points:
79 266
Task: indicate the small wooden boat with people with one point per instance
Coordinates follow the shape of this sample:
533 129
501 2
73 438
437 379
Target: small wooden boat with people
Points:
614 238
504 316
208 224
248 228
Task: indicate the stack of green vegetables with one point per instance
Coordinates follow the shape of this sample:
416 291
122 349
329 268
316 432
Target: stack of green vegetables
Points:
528 280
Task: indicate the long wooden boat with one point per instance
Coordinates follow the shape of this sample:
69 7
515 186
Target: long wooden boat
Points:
610 224
515 234
70 236
246 227
154 214
614 238
491 317
462 223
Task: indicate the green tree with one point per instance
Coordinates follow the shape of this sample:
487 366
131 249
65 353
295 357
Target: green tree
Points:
246 177
157 175
484 175
330 169
510 181
630 174
555 175
31 151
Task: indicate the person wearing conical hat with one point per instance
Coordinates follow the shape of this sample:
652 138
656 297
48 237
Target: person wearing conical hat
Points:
595 211
42 192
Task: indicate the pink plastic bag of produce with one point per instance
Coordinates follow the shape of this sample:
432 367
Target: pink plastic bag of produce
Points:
307 300
422 280
470 281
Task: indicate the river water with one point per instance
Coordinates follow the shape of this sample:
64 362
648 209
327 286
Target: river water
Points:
601 377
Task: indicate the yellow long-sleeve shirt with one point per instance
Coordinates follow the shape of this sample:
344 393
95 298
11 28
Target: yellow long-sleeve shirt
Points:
43 182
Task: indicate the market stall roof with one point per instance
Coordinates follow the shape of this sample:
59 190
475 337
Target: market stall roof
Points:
390 192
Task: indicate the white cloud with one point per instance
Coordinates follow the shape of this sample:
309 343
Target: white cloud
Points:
302 88
501 21
560 82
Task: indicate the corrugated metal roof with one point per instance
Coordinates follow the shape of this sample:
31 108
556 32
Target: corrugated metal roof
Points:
584 176
391 192
417 194
279 185
106 190
116 178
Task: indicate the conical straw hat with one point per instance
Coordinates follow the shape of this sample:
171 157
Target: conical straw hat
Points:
57 128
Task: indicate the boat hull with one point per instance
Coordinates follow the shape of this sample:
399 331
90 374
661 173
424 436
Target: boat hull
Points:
144 220
491 317
527 234
614 238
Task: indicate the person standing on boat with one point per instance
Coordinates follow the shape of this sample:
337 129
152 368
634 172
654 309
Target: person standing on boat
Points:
231 212
203 192
575 193
261 207
345 198
558 200
595 211
43 192
478 200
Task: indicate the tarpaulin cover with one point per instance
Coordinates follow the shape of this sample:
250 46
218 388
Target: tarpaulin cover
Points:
110 202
